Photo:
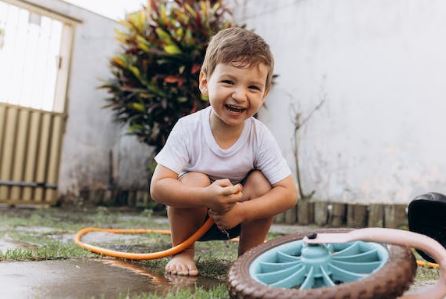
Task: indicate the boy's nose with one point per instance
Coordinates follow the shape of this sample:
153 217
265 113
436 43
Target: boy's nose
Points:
239 94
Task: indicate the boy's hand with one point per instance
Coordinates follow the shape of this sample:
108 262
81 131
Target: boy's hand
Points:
223 195
229 219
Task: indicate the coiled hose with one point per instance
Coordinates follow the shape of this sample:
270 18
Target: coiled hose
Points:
140 256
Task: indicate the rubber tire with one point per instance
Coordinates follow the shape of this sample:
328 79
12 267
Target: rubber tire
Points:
390 281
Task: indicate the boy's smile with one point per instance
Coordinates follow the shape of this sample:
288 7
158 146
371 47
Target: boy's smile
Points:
236 92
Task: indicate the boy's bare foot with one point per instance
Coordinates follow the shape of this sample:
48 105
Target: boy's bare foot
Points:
183 264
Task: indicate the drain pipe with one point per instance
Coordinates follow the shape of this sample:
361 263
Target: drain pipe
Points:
397 237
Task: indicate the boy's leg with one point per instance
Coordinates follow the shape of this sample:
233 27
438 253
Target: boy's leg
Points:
183 223
254 232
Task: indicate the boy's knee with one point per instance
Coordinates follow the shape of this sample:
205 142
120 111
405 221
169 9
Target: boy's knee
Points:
196 179
260 222
257 183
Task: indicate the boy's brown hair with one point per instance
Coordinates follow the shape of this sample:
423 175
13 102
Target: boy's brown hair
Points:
239 45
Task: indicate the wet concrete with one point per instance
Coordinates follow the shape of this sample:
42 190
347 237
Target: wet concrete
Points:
101 237
8 244
81 278
36 229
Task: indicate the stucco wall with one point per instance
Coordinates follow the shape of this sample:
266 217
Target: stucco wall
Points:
94 148
379 66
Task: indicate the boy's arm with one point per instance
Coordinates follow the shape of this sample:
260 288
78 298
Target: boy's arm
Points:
281 197
167 189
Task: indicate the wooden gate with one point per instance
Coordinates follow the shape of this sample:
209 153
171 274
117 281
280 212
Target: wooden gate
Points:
30 143
35 49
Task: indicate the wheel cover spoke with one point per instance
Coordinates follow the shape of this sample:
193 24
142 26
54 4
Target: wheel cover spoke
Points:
301 266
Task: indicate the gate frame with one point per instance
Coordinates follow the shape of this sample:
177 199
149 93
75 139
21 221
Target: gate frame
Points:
60 107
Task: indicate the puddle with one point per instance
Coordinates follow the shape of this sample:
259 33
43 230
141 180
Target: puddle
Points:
105 278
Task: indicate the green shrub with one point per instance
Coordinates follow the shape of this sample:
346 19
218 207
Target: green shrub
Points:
155 75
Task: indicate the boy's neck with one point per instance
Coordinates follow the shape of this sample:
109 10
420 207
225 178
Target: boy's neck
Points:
224 135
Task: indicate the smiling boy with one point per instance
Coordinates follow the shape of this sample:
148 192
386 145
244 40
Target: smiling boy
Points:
221 162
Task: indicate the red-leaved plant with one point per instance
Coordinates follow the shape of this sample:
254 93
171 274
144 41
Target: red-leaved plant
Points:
154 78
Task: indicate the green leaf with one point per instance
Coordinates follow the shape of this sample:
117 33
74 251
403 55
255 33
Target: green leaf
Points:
135 71
163 14
119 60
190 10
142 43
137 107
172 49
164 36
135 128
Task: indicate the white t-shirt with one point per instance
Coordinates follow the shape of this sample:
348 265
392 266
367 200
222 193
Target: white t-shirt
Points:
191 147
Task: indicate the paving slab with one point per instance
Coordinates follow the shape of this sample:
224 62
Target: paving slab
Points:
83 278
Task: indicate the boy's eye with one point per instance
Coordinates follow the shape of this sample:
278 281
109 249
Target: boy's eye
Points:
256 88
227 81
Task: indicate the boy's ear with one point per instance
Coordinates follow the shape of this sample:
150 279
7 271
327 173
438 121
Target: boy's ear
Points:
265 94
203 83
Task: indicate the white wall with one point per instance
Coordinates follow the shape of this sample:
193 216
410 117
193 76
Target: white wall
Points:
380 66
90 134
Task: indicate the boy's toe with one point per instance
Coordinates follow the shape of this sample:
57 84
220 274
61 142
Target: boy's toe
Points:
182 270
170 269
178 270
192 271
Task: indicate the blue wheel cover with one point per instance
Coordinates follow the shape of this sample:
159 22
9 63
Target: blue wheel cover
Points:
303 266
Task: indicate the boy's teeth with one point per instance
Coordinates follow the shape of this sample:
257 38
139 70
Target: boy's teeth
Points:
234 108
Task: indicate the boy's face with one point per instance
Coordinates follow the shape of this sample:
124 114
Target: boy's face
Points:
236 92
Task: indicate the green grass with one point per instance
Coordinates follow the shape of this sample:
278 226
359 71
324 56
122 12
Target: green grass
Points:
41 229
53 251
426 274
217 292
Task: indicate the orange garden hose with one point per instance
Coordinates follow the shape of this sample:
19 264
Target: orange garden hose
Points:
140 256
427 264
